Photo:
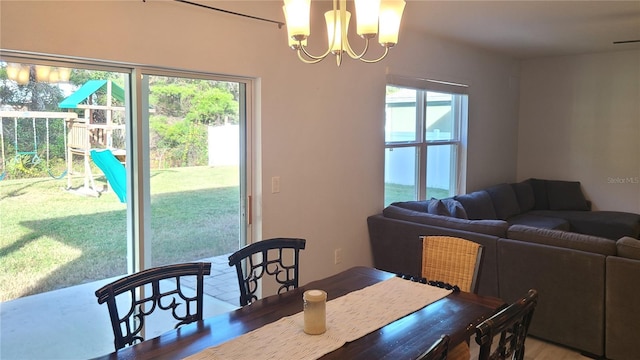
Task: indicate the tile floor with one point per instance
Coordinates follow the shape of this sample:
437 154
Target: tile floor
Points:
51 326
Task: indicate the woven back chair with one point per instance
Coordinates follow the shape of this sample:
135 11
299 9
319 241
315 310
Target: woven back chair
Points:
437 351
512 324
134 297
267 257
452 260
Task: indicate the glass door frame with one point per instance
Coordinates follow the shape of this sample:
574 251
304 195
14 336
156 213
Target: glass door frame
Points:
141 207
137 142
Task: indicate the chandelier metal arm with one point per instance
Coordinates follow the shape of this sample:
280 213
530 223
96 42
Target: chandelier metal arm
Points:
353 54
314 60
310 56
386 51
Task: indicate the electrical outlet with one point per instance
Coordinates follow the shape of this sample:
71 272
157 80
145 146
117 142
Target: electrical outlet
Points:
337 256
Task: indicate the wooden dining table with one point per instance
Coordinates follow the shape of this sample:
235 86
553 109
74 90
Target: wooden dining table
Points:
456 315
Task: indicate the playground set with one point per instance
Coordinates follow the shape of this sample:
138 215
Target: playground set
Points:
97 136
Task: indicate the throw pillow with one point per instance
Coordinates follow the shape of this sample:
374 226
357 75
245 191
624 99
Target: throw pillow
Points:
437 207
539 187
455 208
566 195
504 201
524 194
478 205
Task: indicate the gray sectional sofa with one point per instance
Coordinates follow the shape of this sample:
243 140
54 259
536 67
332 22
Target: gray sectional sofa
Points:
585 264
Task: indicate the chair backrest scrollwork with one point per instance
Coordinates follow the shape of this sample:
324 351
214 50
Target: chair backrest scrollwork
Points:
132 298
512 326
267 257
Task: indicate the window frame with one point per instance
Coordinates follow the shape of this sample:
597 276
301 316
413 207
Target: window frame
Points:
459 109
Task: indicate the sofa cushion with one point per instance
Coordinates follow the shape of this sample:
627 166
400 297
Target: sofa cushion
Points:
565 195
489 227
422 206
539 187
477 205
628 247
437 207
504 199
455 208
609 224
562 239
545 222
524 194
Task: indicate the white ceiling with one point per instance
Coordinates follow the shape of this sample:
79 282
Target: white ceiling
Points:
529 29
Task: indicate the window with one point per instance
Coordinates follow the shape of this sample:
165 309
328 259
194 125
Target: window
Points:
425 136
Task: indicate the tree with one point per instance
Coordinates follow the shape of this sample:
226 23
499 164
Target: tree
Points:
213 107
201 101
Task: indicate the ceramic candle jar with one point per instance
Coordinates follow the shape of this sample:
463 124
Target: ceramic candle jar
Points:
315 312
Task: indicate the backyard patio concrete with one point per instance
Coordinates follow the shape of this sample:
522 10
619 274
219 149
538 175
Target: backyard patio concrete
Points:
70 324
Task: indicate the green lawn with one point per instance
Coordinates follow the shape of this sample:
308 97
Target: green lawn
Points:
52 238
395 192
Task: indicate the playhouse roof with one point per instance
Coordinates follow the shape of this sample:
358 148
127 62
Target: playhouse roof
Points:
88 89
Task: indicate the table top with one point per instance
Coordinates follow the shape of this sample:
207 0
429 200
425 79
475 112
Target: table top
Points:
455 315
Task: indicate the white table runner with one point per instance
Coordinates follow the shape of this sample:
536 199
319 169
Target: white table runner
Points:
349 317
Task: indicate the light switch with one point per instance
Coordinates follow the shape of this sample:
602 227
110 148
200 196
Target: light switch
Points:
275 184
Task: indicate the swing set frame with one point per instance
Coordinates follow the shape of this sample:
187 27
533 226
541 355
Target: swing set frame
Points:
34 116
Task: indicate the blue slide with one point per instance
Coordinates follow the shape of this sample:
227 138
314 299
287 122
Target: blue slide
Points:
114 171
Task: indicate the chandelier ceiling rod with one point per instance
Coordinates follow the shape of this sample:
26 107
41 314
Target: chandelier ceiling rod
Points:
279 23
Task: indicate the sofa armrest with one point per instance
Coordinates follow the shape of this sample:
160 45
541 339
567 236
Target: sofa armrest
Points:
571 285
628 247
622 300
396 245
489 227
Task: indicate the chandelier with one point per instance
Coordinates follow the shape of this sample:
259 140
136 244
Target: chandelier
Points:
22 74
373 18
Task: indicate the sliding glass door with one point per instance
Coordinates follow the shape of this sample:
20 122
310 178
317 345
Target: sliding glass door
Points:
108 170
195 168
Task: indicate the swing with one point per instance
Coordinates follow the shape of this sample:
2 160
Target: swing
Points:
35 160
64 132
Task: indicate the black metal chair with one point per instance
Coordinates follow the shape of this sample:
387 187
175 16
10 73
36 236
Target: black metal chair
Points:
437 351
132 298
512 324
270 262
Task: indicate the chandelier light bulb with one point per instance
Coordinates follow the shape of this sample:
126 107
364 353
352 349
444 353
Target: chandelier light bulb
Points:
54 76
42 73
23 75
297 18
334 29
367 13
64 74
390 17
12 71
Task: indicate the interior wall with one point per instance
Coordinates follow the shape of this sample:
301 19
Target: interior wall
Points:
580 121
321 127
